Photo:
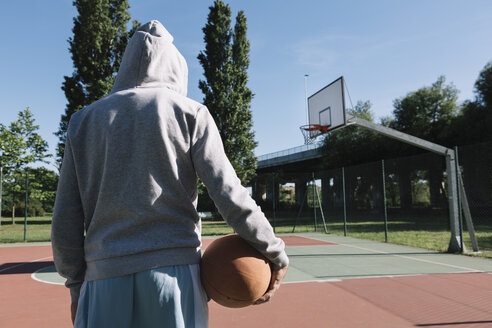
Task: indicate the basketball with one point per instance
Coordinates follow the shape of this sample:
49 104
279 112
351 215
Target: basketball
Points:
233 273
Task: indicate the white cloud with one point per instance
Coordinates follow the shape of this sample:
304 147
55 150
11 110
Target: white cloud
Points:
331 51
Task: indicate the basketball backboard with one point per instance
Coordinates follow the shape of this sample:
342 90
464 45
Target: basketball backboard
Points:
327 106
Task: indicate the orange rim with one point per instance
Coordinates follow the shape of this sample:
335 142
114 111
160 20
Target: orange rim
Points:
315 127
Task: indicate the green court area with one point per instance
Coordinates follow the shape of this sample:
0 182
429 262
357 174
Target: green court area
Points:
48 275
353 258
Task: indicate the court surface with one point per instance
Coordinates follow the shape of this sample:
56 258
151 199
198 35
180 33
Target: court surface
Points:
333 281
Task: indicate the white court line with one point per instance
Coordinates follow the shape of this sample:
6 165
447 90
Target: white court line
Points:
304 281
33 276
372 277
416 259
21 264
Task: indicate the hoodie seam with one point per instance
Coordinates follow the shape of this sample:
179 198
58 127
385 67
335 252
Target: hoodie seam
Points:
139 73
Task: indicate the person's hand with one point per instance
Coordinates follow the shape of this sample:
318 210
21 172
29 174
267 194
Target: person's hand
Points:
277 277
73 310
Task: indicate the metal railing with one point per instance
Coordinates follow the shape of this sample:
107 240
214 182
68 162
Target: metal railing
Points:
290 151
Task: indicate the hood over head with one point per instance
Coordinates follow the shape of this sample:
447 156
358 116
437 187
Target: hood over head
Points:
152 60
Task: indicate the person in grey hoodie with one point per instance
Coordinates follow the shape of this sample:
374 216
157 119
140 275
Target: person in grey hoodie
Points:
126 233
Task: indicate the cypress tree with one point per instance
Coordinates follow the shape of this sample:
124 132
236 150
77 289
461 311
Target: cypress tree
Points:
241 150
225 61
99 39
483 87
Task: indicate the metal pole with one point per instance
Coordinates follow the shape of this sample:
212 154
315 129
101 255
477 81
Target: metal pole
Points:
321 210
314 205
274 198
454 243
306 97
384 204
466 211
1 192
300 209
26 204
344 204
403 137
458 196
1 180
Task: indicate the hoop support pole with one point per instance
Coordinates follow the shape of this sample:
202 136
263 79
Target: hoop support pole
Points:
455 242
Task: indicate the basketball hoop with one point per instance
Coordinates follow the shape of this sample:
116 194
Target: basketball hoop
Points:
326 111
312 131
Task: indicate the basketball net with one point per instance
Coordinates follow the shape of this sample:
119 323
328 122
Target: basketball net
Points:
312 131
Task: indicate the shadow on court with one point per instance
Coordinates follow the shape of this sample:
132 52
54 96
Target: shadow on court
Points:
23 267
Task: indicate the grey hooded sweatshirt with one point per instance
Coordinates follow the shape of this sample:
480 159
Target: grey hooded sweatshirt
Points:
127 194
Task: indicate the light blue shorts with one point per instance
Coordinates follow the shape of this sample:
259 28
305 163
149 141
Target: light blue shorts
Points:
163 297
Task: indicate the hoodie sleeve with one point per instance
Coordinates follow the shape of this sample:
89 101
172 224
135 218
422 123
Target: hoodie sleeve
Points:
67 230
231 198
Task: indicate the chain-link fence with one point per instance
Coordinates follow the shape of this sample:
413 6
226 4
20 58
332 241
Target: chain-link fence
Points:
401 200
476 167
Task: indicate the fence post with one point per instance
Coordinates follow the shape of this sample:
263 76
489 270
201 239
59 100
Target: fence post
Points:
454 243
466 212
458 196
384 204
1 192
314 205
273 201
300 207
26 204
344 204
321 208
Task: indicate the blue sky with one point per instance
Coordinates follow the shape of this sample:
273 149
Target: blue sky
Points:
384 49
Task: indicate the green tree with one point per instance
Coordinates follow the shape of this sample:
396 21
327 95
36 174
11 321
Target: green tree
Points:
428 112
472 126
473 123
362 109
352 144
21 146
99 39
225 62
483 87
42 190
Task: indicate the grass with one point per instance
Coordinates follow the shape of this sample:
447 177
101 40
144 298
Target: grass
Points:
429 233
215 228
38 229
484 239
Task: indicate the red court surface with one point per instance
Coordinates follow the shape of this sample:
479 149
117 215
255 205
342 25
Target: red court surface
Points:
450 300
25 302
437 300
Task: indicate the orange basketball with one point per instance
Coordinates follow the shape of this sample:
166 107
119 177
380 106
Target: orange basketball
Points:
233 273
